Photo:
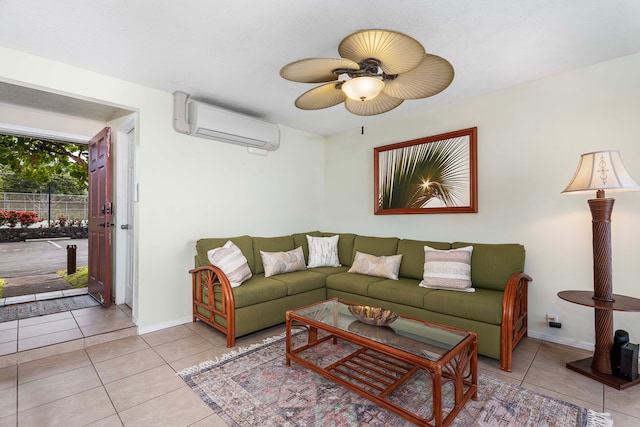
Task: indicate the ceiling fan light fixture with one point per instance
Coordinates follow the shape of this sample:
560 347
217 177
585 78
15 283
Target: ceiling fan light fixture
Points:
382 68
363 88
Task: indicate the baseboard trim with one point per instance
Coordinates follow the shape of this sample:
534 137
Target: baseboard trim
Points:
564 341
164 325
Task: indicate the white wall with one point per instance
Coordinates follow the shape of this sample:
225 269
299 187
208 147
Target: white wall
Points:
529 140
189 187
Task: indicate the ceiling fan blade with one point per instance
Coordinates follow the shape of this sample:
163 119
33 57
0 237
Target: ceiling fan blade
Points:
397 52
316 70
431 77
324 96
378 105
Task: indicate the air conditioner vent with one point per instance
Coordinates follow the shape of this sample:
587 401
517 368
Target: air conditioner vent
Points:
211 122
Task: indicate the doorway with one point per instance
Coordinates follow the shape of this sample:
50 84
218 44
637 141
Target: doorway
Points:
43 205
124 138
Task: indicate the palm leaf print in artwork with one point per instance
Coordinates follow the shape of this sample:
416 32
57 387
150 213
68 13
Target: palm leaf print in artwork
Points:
434 174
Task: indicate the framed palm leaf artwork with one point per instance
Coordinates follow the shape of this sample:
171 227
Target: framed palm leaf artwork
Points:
435 174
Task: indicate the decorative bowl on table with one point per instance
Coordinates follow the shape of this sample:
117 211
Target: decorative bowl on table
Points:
375 316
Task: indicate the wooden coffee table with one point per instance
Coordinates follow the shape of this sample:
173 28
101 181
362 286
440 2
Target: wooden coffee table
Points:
386 357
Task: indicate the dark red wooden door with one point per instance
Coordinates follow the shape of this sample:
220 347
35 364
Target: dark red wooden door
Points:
100 212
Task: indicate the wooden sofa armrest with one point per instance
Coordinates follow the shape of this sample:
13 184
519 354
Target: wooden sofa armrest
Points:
207 282
514 317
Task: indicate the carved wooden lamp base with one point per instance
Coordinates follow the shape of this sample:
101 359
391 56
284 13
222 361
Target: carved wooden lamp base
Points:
602 281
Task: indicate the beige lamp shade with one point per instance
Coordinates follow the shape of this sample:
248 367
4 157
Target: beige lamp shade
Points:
601 170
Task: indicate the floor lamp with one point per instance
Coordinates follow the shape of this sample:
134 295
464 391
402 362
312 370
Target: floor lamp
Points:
601 171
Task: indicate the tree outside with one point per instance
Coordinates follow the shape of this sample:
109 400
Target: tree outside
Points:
41 167
32 163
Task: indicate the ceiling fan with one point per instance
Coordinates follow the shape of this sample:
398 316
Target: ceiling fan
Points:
383 68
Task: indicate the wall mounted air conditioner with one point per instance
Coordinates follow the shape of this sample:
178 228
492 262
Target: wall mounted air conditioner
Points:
211 122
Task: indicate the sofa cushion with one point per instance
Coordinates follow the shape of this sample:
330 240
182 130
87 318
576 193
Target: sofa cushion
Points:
483 305
269 244
258 289
379 266
245 243
402 291
378 246
233 264
323 251
450 269
300 239
275 263
298 282
345 247
492 264
412 251
328 271
352 283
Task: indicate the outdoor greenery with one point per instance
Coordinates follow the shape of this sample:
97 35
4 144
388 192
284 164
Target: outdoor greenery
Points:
79 279
35 165
413 176
1 288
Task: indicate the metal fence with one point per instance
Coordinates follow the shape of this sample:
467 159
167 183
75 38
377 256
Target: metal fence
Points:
70 205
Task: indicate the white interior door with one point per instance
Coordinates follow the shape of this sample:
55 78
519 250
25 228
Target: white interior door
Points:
128 294
125 194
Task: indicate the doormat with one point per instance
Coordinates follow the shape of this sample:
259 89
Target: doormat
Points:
41 308
253 387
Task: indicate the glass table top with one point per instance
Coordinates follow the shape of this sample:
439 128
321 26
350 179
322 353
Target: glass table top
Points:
427 340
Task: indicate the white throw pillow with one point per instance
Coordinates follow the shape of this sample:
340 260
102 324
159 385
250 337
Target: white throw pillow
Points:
379 266
283 262
323 251
233 264
450 269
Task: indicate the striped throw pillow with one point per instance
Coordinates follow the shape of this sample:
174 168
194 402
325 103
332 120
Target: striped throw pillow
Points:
233 264
449 269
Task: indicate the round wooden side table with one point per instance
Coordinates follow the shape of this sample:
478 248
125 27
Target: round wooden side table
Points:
598 367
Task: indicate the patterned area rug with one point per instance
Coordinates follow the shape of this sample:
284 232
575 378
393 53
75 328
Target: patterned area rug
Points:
253 387
40 308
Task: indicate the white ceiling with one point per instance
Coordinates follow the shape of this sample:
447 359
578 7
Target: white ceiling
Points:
229 53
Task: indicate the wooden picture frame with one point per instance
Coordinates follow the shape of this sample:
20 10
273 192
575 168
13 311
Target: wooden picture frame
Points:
435 174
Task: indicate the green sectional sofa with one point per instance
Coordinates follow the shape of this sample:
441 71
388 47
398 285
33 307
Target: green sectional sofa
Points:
496 311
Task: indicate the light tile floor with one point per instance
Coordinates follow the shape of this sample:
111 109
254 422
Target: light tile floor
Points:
87 323
132 381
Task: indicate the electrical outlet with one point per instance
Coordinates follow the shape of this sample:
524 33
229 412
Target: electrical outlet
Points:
553 318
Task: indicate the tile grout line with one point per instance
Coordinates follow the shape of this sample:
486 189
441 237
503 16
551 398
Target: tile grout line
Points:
103 385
